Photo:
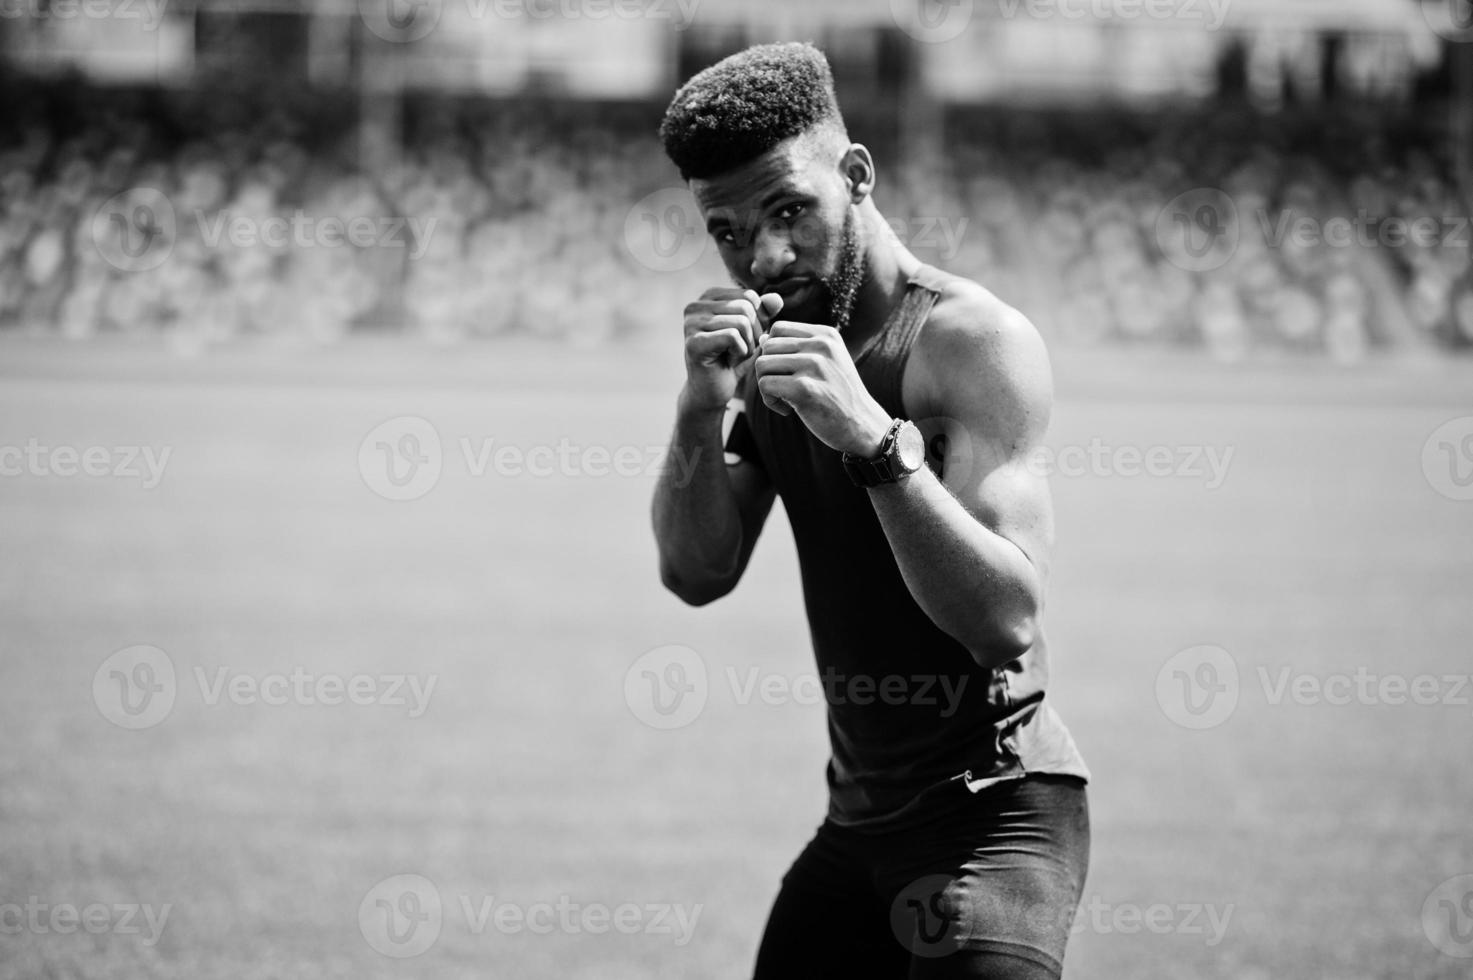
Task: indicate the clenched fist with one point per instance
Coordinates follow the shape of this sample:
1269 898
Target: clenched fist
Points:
805 368
721 333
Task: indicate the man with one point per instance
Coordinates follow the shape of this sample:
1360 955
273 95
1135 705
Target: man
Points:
894 408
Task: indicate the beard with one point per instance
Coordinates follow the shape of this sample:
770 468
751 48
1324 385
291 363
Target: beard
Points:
843 285
842 288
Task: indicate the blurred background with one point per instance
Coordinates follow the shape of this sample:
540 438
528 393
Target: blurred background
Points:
1031 144
339 344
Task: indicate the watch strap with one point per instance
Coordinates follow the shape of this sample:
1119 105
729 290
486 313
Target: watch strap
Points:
880 469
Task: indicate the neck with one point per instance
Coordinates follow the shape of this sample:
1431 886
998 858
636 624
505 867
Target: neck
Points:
888 266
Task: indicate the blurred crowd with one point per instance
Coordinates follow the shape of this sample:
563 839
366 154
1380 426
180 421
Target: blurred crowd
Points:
1236 231
212 218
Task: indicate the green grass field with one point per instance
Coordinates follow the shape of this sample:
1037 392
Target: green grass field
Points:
1315 832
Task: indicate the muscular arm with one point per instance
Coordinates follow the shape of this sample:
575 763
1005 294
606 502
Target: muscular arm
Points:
706 528
974 549
707 515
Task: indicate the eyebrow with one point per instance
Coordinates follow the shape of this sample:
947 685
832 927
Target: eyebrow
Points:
718 220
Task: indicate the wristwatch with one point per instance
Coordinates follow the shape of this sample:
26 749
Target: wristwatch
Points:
902 452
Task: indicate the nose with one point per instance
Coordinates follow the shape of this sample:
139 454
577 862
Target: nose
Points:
772 253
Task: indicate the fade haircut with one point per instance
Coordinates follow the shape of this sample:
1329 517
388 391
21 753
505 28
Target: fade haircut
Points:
746 104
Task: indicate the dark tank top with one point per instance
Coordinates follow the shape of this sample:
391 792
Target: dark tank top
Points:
909 712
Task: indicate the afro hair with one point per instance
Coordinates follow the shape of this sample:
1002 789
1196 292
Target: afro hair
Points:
743 106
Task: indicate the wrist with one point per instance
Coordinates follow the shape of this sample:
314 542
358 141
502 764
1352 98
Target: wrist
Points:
871 440
902 453
687 407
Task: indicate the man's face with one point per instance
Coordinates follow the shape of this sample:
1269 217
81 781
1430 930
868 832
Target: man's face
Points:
784 223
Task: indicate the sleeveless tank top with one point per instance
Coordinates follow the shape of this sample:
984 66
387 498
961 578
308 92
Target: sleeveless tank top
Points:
909 711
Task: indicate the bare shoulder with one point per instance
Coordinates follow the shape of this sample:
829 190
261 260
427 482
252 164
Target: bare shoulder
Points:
980 360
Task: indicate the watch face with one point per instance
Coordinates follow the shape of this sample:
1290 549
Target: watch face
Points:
910 447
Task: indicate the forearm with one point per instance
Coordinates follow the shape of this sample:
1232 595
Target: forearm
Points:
975 584
697 522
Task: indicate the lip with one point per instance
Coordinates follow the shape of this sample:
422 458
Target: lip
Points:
793 290
789 287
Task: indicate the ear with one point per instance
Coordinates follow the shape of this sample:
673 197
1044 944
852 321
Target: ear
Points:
858 168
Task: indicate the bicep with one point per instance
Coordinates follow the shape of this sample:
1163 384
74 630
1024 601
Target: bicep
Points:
1009 497
995 392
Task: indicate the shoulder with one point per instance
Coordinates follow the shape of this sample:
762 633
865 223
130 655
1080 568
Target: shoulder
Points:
976 354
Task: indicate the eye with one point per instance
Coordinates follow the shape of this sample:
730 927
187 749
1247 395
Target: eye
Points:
791 211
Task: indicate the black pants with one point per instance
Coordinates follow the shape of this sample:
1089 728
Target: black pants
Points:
978 885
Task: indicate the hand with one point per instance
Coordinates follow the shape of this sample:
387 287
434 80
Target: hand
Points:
721 333
807 367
